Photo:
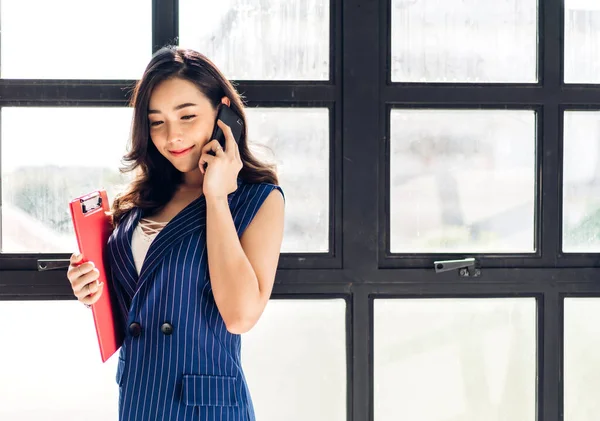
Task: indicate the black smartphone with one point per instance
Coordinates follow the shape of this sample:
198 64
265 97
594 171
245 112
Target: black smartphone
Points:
232 119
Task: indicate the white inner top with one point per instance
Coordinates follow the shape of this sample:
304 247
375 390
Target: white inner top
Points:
143 235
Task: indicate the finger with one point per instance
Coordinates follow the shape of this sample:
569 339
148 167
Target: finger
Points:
93 298
76 258
86 267
205 159
87 289
80 283
213 145
75 271
230 145
91 287
219 152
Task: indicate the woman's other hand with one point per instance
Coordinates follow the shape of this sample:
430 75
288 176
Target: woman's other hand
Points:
84 280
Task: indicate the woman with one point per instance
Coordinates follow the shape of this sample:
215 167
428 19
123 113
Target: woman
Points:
194 249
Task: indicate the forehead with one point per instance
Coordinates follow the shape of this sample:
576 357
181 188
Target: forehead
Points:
172 92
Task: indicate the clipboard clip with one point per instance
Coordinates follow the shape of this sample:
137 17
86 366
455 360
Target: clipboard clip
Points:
90 203
52 264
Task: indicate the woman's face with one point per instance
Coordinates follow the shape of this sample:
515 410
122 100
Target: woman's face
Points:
181 120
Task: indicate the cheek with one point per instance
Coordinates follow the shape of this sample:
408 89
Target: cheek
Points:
155 138
200 131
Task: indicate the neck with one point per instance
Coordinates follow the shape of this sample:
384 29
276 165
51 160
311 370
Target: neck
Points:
192 180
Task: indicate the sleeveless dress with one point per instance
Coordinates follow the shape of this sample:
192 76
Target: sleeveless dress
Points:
178 362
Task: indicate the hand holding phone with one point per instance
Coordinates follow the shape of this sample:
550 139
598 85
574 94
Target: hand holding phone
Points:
222 179
230 118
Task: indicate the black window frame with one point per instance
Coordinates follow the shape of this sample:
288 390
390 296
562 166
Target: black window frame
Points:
358 267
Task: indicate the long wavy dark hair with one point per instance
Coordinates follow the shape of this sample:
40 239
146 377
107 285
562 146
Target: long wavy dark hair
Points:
156 178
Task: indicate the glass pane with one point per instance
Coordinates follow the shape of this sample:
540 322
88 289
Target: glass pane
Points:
582 41
267 39
464 41
455 359
297 140
581 182
67 152
51 367
37 187
296 355
462 181
581 359
71 39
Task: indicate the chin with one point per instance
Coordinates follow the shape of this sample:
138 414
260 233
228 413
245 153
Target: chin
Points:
187 168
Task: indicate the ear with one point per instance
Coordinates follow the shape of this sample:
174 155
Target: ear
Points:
226 101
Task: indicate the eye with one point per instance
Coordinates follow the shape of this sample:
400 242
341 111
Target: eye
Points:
155 123
188 117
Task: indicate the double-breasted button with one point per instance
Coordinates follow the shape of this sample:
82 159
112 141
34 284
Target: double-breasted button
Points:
135 329
166 328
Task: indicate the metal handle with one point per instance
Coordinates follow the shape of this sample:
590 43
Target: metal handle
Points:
465 267
52 264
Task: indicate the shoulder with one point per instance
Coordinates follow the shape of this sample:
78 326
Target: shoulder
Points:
250 200
248 194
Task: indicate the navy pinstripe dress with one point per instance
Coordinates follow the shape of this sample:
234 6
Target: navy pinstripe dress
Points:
178 361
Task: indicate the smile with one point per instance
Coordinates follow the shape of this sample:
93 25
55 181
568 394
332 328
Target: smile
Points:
181 152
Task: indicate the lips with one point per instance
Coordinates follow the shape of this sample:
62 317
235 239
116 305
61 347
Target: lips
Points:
180 152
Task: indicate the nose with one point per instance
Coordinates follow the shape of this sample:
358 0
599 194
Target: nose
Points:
174 134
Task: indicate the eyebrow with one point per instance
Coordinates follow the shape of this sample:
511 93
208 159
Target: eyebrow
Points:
179 107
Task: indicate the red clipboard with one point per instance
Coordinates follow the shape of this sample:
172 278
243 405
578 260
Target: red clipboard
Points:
93 228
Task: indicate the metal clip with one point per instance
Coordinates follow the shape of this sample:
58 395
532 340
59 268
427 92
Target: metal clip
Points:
90 203
51 264
466 267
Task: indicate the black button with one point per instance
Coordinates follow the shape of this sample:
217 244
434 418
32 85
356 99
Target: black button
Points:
166 328
135 329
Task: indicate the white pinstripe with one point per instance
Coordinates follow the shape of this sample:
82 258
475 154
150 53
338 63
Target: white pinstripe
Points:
194 373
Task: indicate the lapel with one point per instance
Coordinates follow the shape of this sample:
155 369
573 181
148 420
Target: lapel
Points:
124 265
189 220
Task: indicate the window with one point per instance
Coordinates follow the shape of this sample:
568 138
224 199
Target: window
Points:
464 41
68 39
580 181
294 33
439 159
297 139
437 359
462 181
67 152
582 59
581 365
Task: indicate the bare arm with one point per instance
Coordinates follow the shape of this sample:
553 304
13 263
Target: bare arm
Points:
242 271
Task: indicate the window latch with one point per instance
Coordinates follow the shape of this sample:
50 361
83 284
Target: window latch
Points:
51 264
466 267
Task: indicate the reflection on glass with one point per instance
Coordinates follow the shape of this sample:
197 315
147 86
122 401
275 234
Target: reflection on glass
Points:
581 182
50 156
581 359
73 39
462 181
295 355
455 359
71 151
267 39
51 367
582 41
464 41
297 140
